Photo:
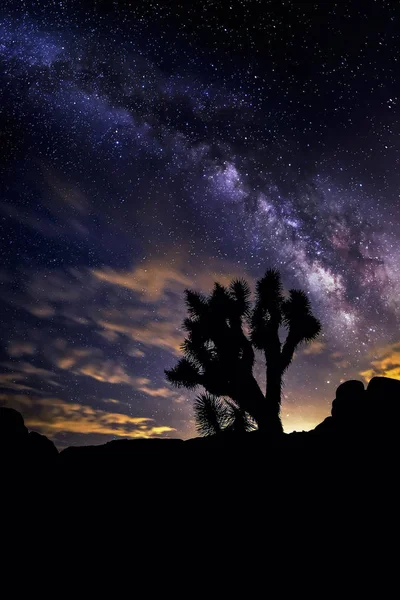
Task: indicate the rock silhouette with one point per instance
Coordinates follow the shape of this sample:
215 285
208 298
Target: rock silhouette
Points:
17 444
41 448
348 403
383 404
12 428
363 414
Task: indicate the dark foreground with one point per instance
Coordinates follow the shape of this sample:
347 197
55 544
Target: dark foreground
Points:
303 497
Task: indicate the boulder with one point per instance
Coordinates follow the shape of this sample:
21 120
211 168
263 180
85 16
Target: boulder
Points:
373 412
18 446
40 448
12 427
348 406
384 387
383 403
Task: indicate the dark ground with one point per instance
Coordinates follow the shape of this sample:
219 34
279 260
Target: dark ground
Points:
320 504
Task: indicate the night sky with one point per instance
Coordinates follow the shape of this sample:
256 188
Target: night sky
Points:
147 147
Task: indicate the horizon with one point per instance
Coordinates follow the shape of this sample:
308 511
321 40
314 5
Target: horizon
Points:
150 151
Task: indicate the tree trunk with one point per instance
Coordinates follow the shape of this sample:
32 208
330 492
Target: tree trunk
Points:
269 422
274 386
250 397
273 394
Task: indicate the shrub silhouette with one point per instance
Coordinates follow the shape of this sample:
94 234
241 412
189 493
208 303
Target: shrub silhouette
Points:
219 356
211 414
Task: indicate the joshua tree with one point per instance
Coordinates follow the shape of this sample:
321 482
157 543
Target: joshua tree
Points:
220 357
271 313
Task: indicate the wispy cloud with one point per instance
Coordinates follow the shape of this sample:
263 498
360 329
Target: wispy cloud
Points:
15 381
144 385
155 280
152 281
385 362
151 316
111 401
90 362
53 415
20 348
65 196
316 347
24 376
165 335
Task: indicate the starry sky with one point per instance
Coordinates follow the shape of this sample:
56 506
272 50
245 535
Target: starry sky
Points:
148 147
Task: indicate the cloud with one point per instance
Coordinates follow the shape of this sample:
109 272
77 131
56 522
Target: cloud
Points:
52 416
165 334
154 281
136 353
85 362
65 196
30 369
144 385
17 401
23 376
58 291
90 362
98 300
343 364
106 371
150 281
385 363
20 348
71 356
316 347
42 311
14 381
109 335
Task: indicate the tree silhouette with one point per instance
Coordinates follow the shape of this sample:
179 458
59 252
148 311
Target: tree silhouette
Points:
219 356
271 313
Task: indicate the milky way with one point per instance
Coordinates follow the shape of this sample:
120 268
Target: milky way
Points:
154 147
